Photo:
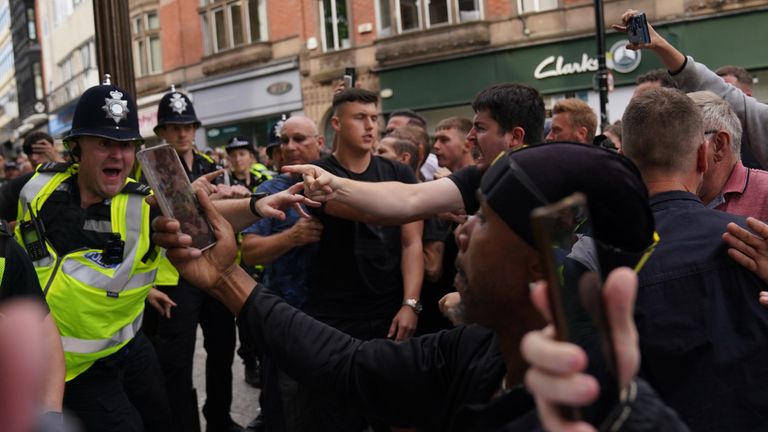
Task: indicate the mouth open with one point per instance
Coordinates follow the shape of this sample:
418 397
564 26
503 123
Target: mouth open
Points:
111 173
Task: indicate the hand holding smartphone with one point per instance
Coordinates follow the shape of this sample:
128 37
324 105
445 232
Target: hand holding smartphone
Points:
637 29
349 78
169 182
568 253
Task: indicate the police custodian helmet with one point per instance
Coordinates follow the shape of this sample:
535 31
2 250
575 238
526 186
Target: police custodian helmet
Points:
105 111
239 142
175 108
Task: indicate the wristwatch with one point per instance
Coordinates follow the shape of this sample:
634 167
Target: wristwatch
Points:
252 204
413 303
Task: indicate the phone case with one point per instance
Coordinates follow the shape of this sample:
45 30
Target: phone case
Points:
169 182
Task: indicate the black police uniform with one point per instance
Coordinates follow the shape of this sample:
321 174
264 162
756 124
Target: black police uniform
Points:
175 338
255 177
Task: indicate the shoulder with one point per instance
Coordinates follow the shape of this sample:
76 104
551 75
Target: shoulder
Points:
276 184
204 157
394 170
53 167
136 188
328 163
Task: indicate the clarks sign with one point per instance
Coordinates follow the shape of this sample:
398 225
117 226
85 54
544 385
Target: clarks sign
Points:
618 58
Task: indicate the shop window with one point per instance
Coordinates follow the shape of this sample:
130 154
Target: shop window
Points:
31 27
148 53
528 6
411 15
230 24
335 24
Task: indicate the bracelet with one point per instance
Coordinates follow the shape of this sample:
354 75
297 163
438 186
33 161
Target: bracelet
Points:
252 204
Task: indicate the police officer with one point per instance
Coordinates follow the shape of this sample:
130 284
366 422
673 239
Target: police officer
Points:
175 338
245 170
86 227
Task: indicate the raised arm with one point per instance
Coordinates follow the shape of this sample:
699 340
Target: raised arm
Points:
691 76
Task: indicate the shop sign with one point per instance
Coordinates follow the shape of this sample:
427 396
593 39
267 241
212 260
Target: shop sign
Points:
618 58
279 88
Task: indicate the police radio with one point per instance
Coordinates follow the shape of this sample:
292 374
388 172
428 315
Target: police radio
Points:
32 236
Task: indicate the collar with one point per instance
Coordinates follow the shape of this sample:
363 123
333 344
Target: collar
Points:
675 197
737 181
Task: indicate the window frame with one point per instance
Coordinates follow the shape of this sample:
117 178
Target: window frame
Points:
207 12
396 19
142 43
338 42
537 8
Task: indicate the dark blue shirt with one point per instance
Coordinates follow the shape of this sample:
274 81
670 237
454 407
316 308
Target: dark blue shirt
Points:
703 334
288 274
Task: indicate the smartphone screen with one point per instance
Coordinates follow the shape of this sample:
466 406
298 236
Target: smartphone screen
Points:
567 248
169 182
349 78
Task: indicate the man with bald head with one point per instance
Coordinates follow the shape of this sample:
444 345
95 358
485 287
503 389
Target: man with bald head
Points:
286 248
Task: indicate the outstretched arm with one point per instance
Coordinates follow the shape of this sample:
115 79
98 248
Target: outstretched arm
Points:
391 201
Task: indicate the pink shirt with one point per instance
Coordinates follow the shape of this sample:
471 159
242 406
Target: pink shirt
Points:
745 193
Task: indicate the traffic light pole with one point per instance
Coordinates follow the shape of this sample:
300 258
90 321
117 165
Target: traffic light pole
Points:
113 42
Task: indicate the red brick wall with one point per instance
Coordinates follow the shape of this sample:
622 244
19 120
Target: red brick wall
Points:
181 35
362 11
284 18
495 9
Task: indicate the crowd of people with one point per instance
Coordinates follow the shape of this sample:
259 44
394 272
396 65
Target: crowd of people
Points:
389 281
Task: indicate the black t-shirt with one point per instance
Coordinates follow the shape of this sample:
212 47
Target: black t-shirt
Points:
19 278
467 180
357 271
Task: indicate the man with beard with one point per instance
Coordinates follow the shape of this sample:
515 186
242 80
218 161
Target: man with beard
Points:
468 378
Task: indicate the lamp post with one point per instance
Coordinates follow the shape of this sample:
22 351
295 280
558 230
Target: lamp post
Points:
113 42
602 69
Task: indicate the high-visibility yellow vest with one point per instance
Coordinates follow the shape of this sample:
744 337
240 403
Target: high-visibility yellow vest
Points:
98 308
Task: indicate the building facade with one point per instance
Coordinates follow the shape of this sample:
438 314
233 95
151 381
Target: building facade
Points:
9 108
28 68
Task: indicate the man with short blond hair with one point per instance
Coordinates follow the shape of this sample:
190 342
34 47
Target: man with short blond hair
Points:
572 120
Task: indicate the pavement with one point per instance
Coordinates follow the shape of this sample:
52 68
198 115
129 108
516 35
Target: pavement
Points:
245 399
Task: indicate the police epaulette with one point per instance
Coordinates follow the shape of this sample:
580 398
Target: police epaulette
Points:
205 156
137 188
53 167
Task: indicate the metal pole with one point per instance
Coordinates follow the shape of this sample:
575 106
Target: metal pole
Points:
602 69
113 42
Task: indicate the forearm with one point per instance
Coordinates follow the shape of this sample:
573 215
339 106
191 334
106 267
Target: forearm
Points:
233 288
672 59
412 260
53 394
258 249
397 201
237 212
433 260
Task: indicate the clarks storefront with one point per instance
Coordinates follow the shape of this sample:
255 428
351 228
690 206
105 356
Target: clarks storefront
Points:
566 68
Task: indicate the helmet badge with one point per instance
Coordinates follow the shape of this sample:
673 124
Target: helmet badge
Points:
115 107
178 104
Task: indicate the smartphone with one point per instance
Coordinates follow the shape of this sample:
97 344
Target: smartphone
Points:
637 29
567 248
349 78
168 179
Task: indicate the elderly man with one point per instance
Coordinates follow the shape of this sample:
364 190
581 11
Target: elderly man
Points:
728 185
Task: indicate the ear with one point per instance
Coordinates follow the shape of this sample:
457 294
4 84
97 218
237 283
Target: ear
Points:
320 142
405 158
721 145
582 132
336 124
701 158
515 138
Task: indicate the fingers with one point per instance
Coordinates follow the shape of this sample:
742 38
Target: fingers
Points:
763 298
300 210
306 169
619 296
743 259
298 187
540 299
573 390
540 349
392 329
746 237
211 176
759 227
214 217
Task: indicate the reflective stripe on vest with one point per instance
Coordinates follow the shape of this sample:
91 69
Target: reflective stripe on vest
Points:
87 346
98 308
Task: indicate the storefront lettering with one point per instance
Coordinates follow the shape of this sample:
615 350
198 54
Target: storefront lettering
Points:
555 66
